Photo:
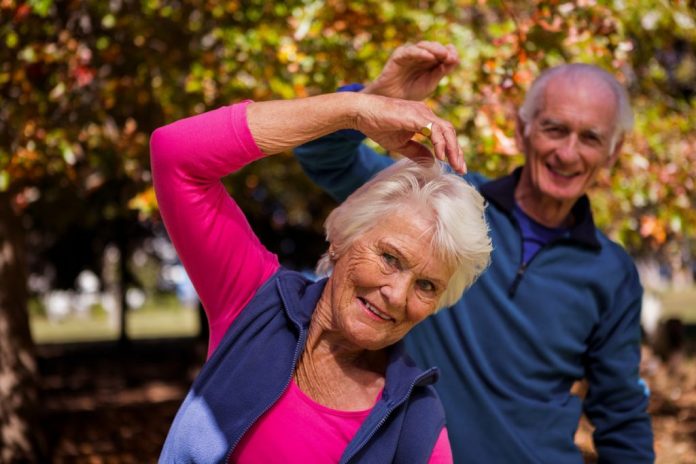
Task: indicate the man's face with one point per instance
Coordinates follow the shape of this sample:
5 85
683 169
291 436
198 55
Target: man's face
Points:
569 139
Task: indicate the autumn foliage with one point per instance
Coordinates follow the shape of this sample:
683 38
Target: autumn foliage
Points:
84 83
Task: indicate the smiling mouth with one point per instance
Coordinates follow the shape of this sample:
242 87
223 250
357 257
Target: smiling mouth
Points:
561 173
375 311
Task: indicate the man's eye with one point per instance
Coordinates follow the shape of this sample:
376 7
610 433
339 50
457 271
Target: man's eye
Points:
426 285
554 130
591 139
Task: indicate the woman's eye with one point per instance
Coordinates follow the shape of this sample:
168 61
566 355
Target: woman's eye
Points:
390 260
426 285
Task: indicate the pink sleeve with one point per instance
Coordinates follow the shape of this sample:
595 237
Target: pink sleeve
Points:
222 256
442 452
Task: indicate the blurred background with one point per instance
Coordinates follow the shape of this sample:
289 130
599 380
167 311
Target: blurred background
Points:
101 333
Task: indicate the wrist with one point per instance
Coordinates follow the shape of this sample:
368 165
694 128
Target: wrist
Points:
357 104
354 111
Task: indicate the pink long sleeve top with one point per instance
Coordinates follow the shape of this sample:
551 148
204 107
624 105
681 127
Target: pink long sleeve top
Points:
227 265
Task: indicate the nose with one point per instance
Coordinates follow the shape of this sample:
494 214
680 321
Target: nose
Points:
395 291
568 151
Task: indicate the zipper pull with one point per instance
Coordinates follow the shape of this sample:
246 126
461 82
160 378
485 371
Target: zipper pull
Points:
516 283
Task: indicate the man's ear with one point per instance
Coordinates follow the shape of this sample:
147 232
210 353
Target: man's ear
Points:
614 155
520 127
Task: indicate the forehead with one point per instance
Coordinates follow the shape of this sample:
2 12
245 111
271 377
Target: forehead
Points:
409 232
584 101
406 224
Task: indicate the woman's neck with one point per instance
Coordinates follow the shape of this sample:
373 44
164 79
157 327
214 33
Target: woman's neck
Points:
335 373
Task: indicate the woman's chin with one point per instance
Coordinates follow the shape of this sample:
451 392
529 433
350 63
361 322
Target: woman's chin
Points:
367 338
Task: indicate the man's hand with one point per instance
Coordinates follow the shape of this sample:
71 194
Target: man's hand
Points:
392 123
413 71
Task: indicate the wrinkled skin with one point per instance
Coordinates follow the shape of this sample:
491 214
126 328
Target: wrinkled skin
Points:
566 145
388 281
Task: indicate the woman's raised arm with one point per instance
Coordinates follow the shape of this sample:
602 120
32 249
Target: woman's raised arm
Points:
221 254
281 125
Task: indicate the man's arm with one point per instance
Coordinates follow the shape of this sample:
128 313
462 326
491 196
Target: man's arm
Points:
617 400
340 163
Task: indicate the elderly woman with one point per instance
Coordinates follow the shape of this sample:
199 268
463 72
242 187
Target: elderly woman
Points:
309 372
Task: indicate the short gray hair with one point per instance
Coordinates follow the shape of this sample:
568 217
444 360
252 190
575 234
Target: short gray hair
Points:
460 229
534 97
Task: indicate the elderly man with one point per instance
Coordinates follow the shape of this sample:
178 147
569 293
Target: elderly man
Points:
560 301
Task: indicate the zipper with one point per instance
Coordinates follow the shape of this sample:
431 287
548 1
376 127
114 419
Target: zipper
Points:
300 343
523 266
388 412
512 290
518 278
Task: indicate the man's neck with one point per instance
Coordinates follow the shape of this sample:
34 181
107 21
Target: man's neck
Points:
546 211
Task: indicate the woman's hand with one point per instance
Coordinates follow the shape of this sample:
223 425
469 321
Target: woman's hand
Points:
392 123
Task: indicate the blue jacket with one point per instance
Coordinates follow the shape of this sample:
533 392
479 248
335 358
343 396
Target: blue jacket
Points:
510 349
253 366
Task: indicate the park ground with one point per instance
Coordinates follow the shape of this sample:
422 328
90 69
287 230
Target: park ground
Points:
110 403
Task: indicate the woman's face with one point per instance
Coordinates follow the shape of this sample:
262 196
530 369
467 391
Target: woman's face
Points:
387 282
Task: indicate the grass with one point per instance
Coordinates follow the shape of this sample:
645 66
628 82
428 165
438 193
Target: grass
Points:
680 303
164 316
160 317
158 322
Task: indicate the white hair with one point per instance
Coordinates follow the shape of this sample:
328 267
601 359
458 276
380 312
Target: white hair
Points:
533 101
460 232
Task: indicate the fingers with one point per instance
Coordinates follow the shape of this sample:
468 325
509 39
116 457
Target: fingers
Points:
442 145
427 52
453 55
444 54
414 54
417 152
446 146
442 134
392 122
452 60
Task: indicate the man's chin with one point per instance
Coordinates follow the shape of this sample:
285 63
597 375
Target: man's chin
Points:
563 193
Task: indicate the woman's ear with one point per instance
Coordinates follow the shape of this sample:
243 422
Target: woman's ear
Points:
332 253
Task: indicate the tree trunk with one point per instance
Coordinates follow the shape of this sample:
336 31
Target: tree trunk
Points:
124 282
20 435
